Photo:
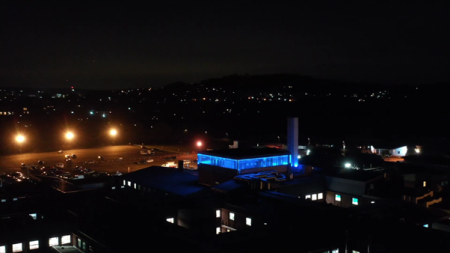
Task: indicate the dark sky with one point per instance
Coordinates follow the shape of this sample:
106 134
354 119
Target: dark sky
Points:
107 46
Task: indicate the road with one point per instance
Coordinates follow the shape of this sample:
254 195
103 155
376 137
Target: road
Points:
111 154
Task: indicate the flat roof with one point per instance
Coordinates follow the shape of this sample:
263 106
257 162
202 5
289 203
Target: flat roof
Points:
65 249
357 175
243 153
166 179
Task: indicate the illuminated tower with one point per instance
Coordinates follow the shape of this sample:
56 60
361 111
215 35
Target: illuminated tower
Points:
293 140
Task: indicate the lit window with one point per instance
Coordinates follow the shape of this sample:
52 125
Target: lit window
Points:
314 197
308 197
17 247
34 245
129 183
320 196
3 200
354 201
425 225
2 249
134 185
65 239
355 251
372 202
424 183
124 182
217 213
14 199
338 197
34 216
248 221
171 220
218 230
231 216
335 251
53 241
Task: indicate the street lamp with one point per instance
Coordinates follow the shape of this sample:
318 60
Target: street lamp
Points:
20 139
69 137
199 144
113 133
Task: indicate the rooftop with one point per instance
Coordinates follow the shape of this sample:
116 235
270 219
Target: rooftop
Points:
357 175
166 179
242 153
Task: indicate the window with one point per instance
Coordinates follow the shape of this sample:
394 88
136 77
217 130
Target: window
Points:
320 196
53 241
124 182
65 239
17 247
129 183
338 197
2 249
34 245
355 251
171 220
218 230
34 216
231 216
134 185
307 196
3 200
314 197
425 225
372 202
354 201
335 251
217 213
424 183
248 221
14 199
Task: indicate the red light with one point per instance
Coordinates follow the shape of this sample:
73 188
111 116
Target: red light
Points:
72 87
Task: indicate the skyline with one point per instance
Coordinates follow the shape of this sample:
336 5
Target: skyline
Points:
115 47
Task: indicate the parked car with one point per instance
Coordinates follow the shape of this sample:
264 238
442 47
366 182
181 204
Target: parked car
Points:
22 165
68 160
73 156
60 165
141 162
66 156
150 160
40 162
60 151
17 175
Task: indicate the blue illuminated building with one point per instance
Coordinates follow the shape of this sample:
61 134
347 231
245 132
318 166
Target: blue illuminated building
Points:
218 166
242 164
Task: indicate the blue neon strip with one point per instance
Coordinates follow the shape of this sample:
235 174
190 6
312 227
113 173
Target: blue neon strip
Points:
250 163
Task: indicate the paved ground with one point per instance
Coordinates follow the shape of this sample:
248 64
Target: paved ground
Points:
111 154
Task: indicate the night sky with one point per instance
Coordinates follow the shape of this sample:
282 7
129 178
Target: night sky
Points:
106 46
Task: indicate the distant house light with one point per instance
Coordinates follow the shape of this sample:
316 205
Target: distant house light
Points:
320 196
231 216
425 225
424 183
314 197
91 112
218 230
354 201
337 197
218 213
170 220
307 196
53 241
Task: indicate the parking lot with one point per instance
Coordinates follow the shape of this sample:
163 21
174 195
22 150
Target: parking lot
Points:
88 158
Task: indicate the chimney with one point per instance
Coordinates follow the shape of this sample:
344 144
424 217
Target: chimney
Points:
292 144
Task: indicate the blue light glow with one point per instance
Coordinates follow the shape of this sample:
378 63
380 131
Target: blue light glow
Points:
242 164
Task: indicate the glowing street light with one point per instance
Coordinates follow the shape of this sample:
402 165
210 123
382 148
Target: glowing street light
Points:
20 139
113 133
199 144
69 136
348 165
